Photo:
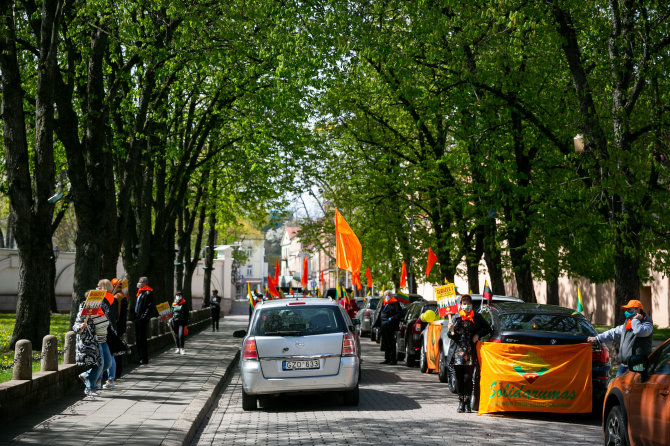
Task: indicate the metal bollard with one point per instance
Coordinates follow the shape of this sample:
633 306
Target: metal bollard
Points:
49 361
23 353
70 356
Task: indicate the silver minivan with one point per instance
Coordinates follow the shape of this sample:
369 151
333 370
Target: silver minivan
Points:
299 345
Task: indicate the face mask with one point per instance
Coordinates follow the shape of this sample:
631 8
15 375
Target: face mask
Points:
466 308
139 285
629 314
98 288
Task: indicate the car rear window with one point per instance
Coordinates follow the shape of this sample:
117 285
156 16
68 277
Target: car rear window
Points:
298 321
373 303
554 323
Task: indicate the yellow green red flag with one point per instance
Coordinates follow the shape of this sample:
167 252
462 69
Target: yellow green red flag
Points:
527 378
251 299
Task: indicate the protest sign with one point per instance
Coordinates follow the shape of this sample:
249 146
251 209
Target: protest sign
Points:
164 311
446 299
93 302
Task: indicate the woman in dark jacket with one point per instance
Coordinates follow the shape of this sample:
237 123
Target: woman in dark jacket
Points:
464 331
179 321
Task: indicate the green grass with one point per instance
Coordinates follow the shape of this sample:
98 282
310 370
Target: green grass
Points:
58 327
659 334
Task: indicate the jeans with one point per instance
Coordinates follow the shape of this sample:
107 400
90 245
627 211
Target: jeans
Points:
216 313
92 375
179 332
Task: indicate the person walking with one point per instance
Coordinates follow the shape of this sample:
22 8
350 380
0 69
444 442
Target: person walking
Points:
143 306
179 321
634 335
110 309
389 320
121 323
215 308
87 352
464 331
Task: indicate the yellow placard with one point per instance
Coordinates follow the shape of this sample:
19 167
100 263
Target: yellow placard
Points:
446 299
527 378
164 311
93 302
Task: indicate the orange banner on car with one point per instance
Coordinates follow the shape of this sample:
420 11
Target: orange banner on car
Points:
433 346
531 378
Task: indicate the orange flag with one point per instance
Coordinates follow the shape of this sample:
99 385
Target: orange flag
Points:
403 275
356 280
303 282
323 283
272 286
432 258
349 251
369 276
277 272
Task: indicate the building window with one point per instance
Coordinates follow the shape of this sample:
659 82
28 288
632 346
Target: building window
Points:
250 271
249 251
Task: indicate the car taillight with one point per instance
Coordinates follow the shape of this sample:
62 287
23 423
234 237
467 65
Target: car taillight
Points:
497 341
348 345
366 313
417 327
249 351
602 355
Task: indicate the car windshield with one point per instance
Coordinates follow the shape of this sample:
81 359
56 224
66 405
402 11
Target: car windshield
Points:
298 321
555 323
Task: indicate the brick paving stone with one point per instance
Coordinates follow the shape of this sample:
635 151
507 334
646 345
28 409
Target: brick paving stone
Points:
398 406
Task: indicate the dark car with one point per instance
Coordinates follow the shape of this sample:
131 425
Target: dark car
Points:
408 336
637 406
365 314
404 299
536 324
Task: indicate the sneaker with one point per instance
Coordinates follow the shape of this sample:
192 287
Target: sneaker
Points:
182 351
98 385
82 376
109 385
177 350
90 392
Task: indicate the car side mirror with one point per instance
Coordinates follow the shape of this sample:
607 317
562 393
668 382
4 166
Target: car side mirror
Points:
356 321
639 364
239 333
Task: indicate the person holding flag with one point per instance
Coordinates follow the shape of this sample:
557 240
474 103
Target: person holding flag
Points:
349 305
634 335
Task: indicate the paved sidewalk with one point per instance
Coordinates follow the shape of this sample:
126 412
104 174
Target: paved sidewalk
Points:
159 403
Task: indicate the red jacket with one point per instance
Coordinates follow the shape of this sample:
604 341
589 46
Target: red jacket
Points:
349 306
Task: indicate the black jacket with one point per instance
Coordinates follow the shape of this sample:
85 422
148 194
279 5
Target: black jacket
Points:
144 305
481 327
391 313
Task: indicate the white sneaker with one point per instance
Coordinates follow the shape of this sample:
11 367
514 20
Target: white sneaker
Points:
177 350
82 376
90 392
182 351
109 385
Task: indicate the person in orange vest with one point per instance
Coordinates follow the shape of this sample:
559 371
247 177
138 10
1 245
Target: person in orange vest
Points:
121 323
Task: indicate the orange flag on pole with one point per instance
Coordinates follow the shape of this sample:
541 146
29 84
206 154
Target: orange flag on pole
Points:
403 275
272 286
356 280
323 282
368 274
348 249
305 262
277 272
432 258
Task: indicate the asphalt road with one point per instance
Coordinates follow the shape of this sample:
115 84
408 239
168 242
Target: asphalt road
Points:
398 406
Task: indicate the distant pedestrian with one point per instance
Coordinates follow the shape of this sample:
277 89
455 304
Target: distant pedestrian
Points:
634 335
121 323
179 321
464 331
143 307
349 306
389 321
215 308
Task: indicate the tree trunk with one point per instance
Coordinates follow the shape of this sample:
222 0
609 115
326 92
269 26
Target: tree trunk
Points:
551 276
493 259
209 253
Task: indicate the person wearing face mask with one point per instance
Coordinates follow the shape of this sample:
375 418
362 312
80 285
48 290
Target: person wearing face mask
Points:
179 321
634 334
388 321
464 331
143 306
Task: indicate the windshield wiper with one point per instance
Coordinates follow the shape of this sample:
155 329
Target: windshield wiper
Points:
283 333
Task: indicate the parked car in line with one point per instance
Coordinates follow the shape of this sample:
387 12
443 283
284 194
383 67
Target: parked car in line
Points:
408 336
446 372
404 299
299 345
365 314
636 410
536 324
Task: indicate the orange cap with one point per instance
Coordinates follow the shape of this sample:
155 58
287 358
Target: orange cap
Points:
632 304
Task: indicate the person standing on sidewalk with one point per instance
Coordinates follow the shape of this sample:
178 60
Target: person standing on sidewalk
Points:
464 331
634 334
389 317
87 351
121 322
179 321
215 308
143 306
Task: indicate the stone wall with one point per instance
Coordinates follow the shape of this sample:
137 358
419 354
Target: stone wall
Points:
28 390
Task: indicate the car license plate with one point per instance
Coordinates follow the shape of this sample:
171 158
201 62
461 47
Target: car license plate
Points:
301 365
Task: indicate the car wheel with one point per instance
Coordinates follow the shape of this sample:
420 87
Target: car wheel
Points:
373 338
378 336
351 397
442 369
409 359
423 364
615 428
249 402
